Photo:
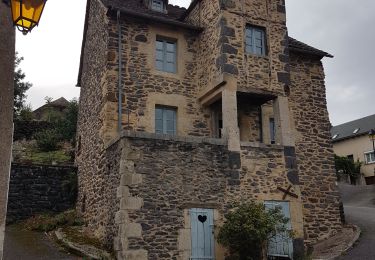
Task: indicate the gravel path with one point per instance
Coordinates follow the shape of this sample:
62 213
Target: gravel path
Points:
27 245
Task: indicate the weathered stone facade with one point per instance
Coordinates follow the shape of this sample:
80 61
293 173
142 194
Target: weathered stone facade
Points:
136 187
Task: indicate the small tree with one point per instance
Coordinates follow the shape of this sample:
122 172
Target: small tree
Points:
247 229
20 86
347 167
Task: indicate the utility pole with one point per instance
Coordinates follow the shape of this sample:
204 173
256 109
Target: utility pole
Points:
7 53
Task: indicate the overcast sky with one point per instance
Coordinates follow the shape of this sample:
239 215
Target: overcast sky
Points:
344 28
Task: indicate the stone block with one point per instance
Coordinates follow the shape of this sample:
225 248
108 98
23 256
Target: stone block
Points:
184 240
133 230
122 192
131 203
121 217
136 255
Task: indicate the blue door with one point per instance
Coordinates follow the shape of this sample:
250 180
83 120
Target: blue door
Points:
280 245
202 234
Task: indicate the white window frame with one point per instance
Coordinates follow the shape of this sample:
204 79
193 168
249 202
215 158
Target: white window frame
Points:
370 154
157 5
251 45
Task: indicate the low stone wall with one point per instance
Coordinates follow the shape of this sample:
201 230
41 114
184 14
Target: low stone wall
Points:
36 189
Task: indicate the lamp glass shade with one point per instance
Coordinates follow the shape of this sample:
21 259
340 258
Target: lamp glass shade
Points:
26 13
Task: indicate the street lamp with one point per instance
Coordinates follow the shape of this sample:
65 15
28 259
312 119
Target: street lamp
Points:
26 13
371 135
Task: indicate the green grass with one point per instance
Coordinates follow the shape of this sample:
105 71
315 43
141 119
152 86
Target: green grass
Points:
57 157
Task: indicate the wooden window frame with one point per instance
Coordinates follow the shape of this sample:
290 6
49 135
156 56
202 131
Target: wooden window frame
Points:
250 40
164 120
164 50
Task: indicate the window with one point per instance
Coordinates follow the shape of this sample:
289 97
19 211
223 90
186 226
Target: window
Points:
335 136
255 41
157 5
356 131
165 120
166 55
370 157
272 131
350 157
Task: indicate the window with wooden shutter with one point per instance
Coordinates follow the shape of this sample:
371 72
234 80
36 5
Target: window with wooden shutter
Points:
255 40
165 120
166 51
281 245
157 5
202 234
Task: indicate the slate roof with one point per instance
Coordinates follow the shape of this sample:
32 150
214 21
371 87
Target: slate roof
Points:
174 12
298 46
345 131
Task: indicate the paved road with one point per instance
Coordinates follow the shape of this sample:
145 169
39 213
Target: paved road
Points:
27 245
359 204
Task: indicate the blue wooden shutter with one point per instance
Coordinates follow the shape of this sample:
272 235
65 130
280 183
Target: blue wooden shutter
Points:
158 120
159 55
280 245
202 236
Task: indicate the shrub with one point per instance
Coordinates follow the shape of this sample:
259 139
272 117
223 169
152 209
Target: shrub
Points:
48 140
247 229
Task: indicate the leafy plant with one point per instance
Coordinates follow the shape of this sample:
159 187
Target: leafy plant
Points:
25 113
346 166
248 228
20 86
48 140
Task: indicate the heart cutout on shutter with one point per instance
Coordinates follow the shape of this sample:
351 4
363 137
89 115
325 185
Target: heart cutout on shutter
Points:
202 218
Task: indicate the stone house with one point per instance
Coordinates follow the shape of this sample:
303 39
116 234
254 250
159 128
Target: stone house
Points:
351 140
184 112
56 107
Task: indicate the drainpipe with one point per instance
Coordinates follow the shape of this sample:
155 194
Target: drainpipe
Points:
119 73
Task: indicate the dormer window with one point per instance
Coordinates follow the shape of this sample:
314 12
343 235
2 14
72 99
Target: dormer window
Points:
157 5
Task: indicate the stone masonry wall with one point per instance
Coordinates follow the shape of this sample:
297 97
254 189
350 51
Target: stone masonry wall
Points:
267 73
144 86
164 176
314 149
207 14
36 189
90 147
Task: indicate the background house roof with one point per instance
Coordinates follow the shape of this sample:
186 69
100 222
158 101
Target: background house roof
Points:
61 103
349 130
